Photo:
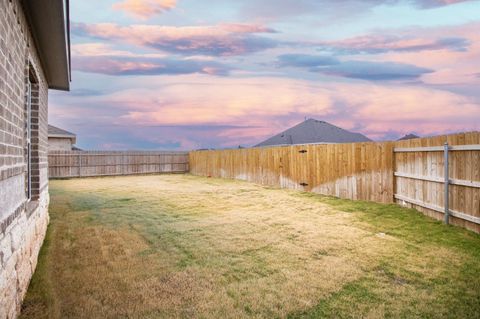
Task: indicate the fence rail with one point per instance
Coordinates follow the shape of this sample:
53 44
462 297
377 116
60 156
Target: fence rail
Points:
410 173
67 164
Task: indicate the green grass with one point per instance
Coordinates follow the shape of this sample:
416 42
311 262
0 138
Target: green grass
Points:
182 246
404 223
457 287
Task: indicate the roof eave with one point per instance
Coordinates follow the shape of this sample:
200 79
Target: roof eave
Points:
67 137
62 136
49 25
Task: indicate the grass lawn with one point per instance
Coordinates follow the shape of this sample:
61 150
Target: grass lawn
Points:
176 246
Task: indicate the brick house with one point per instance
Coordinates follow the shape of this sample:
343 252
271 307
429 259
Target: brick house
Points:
34 57
60 139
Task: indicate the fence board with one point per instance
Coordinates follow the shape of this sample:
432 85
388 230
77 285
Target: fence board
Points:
66 164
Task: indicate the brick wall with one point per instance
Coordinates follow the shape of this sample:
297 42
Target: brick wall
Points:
22 223
59 144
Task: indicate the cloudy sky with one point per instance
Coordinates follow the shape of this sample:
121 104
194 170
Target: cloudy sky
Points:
186 74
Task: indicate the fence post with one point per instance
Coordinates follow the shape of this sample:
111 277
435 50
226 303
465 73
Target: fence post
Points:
447 182
79 165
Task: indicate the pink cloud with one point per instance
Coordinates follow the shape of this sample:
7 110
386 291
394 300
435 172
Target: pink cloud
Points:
380 43
112 65
450 53
326 10
268 105
438 3
218 40
145 9
451 66
104 59
96 49
377 109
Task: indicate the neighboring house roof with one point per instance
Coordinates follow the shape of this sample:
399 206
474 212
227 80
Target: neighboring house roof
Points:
408 137
50 27
314 131
57 132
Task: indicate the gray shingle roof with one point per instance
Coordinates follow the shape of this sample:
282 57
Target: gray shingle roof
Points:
54 131
408 137
314 131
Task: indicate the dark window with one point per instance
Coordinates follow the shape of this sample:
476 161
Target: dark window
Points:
28 183
32 177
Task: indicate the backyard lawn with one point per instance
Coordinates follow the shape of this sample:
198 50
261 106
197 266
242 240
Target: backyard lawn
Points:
179 246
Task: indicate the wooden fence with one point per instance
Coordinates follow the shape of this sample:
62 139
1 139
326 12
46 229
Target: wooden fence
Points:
422 180
380 172
66 164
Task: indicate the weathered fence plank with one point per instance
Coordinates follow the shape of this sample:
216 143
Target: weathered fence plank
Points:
66 164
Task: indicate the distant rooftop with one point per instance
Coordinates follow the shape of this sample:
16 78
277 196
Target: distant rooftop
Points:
408 137
54 131
314 131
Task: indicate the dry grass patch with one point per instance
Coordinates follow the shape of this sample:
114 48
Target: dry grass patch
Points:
182 246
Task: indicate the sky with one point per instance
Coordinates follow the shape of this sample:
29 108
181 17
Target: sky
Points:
189 74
